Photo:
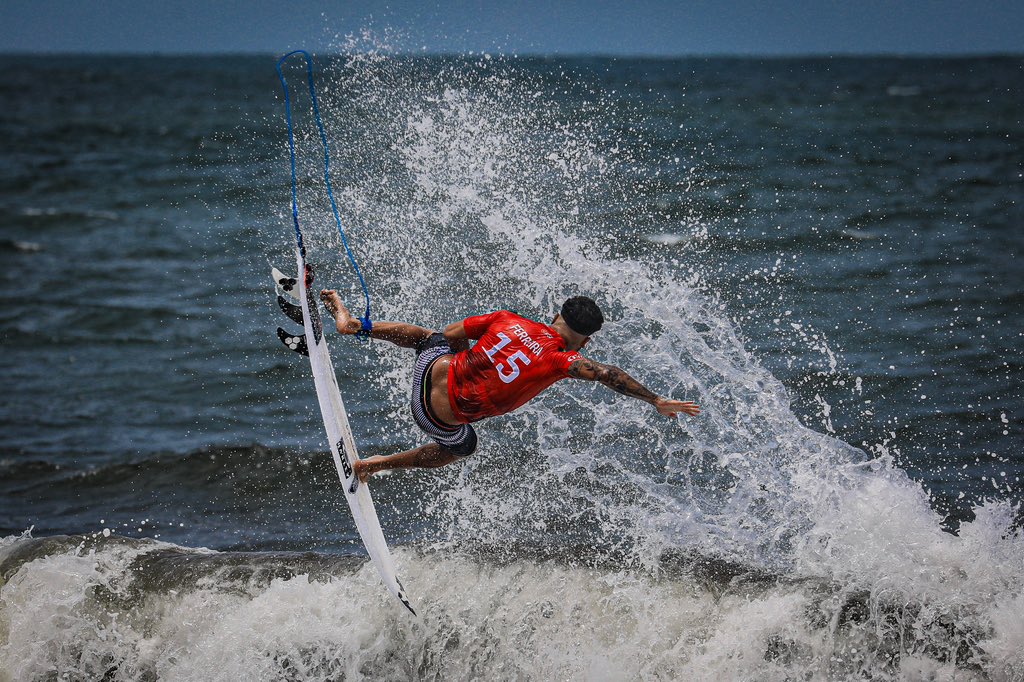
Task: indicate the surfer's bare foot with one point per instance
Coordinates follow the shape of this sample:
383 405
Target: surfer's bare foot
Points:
362 470
343 319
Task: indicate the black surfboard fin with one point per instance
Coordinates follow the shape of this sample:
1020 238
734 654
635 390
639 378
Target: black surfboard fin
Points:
294 342
294 312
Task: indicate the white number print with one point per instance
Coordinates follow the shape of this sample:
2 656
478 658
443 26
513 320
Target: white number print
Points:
513 360
501 344
510 377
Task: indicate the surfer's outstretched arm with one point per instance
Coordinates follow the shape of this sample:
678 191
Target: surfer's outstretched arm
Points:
399 333
617 380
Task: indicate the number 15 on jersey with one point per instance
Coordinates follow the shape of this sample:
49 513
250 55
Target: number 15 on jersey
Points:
513 360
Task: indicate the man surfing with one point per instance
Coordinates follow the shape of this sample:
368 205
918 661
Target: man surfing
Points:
512 361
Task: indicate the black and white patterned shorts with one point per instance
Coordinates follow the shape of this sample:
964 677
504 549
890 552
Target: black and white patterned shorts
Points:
459 440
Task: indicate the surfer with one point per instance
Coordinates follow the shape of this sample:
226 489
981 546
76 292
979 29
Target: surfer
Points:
513 360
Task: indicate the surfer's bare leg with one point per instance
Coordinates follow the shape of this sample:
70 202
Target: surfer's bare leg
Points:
399 333
428 456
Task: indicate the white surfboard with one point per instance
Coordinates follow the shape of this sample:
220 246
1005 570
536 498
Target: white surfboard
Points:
339 434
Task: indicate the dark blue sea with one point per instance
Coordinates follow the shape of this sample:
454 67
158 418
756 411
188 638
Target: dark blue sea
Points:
824 253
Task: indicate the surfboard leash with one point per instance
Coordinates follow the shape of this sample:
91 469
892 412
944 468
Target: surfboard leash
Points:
367 323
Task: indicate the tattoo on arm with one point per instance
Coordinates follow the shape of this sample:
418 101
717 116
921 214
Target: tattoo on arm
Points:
581 368
617 380
612 377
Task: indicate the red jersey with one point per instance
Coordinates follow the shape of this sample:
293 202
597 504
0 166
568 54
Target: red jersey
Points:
513 360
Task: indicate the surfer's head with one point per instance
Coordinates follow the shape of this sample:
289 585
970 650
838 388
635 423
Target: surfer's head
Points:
582 315
581 318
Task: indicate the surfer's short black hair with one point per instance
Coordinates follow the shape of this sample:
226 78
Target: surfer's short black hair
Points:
582 315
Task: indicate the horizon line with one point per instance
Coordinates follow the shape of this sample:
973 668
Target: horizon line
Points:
529 55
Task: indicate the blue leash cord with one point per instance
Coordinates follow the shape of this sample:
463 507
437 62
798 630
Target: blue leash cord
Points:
365 320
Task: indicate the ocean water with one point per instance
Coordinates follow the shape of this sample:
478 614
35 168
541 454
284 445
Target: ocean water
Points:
823 253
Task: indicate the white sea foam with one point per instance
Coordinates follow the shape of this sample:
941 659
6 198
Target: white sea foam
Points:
89 610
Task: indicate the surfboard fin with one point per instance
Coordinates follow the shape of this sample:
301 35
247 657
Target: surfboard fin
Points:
294 312
294 342
288 285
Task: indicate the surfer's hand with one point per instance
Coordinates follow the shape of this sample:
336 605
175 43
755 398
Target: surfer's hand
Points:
343 319
671 408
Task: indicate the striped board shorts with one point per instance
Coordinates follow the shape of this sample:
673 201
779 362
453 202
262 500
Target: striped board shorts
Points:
458 440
